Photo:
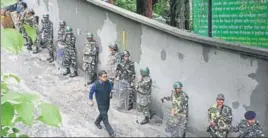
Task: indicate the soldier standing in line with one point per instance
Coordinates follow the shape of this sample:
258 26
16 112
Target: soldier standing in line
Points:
144 90
59 42
61 31
249 127
125 72
177 124
220 118
21 20
69 51
47 39
30 20
23 6
90 59
113 60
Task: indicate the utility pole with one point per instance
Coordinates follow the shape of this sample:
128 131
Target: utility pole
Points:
209 18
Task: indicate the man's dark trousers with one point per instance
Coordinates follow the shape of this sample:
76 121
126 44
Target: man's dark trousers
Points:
103 116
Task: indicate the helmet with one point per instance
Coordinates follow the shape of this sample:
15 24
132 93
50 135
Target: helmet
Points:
90 35
220 96
62 23
145 71
177 84
113 46
68 29
126 53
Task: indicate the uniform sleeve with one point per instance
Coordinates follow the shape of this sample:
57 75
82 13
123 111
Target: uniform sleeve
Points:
51 29
185 104
240 127
92 91
259 132
209 115
144 83
132 71
229 116
73 40
95 50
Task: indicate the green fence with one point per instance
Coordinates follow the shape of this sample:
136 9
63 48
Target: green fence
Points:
243 21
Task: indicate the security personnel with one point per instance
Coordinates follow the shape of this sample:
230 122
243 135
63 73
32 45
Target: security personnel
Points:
249 127
220 118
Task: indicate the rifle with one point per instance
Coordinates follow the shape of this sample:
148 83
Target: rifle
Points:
211 129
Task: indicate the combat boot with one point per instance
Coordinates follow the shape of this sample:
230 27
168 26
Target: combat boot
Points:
145 121
36 50
29 47
130 107
49 58
152 114
67 71
74 74
52 57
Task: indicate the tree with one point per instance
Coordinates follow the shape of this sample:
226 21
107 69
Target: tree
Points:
20 106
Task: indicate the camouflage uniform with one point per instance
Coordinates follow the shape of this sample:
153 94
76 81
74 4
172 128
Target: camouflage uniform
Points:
61 31
221 117
47 36
144 94
90 59
69 53
126 73
176 126
249 127
31 21
113 61
21 16
61 34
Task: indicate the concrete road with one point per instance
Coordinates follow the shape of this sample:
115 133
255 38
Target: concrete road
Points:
71 96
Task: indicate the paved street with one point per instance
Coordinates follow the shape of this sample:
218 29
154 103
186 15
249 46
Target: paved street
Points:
71 97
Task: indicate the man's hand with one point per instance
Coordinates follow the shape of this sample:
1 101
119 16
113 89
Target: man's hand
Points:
111 95
91 103
173 112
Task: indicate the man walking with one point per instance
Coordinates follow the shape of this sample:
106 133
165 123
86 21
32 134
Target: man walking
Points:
102 89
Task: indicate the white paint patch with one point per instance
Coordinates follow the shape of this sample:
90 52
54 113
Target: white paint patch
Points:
225 73
107 35
78 31
54 16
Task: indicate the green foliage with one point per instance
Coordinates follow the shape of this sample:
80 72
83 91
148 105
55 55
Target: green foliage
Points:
52 117
126 4
11 40
19 107
5 3
160 7
31 32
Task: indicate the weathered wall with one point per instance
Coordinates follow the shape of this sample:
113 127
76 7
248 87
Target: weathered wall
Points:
204 69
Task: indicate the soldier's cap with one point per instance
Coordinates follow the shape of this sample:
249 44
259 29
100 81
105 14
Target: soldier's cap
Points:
249 115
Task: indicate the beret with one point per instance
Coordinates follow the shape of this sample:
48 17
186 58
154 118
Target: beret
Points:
249 115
